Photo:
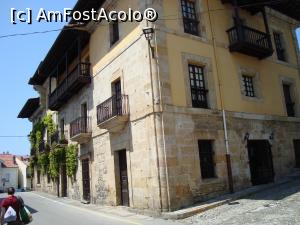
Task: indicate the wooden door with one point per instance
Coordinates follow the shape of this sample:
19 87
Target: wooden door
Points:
297 152
86 179
123 178
64 181
261 162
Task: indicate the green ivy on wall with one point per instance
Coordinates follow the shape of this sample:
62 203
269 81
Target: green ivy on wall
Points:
57 157
71 160
43 162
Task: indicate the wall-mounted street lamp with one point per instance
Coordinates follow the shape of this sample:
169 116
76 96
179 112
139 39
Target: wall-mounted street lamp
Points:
149 34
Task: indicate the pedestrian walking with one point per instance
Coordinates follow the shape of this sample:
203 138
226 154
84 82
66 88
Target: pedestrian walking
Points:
15 203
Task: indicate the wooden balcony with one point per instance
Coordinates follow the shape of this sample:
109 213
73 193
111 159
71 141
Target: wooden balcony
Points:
113 114
80 130
250 41
75 80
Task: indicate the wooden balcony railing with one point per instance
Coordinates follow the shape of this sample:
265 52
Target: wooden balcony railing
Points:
250 41
81 125
74 81
114 106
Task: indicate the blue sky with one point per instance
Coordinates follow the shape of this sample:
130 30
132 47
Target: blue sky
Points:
20 57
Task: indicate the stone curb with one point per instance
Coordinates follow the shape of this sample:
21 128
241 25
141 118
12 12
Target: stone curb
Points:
185 213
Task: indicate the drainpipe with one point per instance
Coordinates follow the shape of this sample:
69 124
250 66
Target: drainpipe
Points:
228 157
157 99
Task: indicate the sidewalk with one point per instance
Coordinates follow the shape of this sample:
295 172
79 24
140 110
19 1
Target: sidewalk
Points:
126 212
225 199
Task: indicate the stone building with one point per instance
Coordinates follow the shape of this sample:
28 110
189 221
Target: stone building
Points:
210 104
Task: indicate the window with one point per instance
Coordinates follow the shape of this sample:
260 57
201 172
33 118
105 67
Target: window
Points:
279 46
248 86
197 84
288 100
114 32
38 177
206 159
190 21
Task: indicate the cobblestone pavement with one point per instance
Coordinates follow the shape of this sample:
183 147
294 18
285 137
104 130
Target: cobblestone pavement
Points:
278 205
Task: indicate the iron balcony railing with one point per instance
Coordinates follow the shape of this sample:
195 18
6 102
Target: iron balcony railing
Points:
250 36
114 106
76 79
81 125
59 138
42 146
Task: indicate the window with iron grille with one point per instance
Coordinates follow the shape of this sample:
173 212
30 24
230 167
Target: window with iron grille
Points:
190 21
206 155
197 84
288 100
248 86
280 50
114 32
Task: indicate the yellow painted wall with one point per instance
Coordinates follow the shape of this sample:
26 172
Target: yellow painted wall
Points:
269 69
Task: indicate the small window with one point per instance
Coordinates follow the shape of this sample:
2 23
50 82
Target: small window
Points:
38 177
289 103
280 50
190 21
248 86
206 155
114 32
197 84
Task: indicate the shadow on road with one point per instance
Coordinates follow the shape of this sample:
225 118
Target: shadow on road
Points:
278 192
31 210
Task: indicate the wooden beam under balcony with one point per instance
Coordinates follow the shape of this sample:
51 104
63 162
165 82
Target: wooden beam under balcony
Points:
250 41
289 8
74 82
80 130
113 114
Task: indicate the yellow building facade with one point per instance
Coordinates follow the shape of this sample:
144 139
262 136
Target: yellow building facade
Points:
210 105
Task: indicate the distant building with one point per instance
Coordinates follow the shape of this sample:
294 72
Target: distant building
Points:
8 171
24 180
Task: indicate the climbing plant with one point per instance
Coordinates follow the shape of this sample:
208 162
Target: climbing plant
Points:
57 157
71 160
49 124
43 162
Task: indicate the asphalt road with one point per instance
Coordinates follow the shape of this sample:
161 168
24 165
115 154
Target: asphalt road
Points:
276 206
48 211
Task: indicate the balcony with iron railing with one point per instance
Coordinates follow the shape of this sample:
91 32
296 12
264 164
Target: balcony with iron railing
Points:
80 130
113 114
42 146
59 138
249 41
75 80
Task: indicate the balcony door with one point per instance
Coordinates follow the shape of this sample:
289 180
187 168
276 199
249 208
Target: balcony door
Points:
84 117
117 99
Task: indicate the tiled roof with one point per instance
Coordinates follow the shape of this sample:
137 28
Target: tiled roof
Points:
8 161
